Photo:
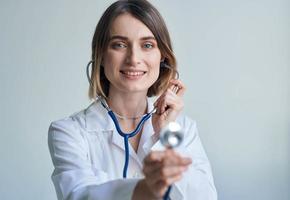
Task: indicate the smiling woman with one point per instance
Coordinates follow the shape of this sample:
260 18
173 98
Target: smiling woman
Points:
132 59
113 23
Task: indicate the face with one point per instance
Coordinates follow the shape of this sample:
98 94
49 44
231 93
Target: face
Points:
132 58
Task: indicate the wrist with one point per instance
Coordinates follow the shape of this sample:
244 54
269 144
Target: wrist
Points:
142 192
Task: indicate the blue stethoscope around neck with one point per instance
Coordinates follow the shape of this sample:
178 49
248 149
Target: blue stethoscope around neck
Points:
126 136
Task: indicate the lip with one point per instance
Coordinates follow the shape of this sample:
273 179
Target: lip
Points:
132 74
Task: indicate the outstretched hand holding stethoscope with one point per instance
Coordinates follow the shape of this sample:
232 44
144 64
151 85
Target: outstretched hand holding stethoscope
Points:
163 168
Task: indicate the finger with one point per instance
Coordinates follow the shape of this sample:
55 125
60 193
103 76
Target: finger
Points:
174 88
168 96
162 173
152 173
177 82
163 185
150 169
169 181
180 85
159 104
163 158
180 91
173 158
168 168
171 101
171 88
171 171
177 161
154 156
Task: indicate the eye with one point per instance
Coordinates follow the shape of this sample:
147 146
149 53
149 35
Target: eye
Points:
148 45
119 45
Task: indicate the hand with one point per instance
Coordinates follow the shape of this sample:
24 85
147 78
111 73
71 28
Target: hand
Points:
168 105
162 169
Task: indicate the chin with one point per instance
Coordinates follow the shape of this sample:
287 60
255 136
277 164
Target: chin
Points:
135 89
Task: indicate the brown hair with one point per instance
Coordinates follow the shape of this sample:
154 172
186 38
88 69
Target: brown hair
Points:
149 15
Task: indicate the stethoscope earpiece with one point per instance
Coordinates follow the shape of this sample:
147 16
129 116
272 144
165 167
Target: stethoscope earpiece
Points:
164 65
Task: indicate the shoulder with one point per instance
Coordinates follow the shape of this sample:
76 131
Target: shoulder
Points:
72 122
75 126
186 122
68 128
75 121
189 128
65 130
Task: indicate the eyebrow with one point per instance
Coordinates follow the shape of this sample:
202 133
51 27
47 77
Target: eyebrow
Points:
126 38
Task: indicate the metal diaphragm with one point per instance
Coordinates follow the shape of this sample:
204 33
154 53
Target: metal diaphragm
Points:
171 135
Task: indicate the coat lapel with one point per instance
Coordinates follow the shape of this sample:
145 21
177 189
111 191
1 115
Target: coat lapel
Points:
98 120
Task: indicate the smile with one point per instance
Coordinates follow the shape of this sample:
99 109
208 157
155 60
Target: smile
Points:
133 73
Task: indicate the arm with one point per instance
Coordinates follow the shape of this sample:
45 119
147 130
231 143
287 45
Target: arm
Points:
197 182
74 177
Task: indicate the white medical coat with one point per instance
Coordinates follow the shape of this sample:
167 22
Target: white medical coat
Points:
88 155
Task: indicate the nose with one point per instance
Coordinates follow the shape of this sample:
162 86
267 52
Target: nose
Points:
133 56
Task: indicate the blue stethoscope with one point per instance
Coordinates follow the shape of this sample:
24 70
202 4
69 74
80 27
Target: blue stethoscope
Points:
126 136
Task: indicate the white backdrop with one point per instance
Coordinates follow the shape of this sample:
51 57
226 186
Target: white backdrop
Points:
234 57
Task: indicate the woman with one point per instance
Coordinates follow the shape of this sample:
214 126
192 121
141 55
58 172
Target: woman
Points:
132 59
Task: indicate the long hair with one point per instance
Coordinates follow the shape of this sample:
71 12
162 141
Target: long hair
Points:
147 14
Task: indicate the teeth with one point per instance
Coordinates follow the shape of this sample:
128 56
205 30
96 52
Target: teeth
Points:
133 73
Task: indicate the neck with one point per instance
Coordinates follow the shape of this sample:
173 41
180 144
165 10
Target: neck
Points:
127 104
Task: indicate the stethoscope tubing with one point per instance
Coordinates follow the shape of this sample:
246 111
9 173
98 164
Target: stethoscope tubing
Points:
126 136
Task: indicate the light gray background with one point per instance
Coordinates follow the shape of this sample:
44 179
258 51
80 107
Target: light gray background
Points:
234 57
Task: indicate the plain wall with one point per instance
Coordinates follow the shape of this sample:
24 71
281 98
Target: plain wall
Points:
234 57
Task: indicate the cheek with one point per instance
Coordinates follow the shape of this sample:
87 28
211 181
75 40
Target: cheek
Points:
111 61
155 68
155 60
114 57
156 73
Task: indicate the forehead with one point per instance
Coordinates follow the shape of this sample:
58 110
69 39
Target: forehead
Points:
129 26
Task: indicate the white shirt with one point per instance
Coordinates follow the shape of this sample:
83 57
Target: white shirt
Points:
88 155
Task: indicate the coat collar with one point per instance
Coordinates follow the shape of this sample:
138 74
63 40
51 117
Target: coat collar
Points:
98 120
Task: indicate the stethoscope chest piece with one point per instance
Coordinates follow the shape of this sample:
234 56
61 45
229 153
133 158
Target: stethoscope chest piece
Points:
171 135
